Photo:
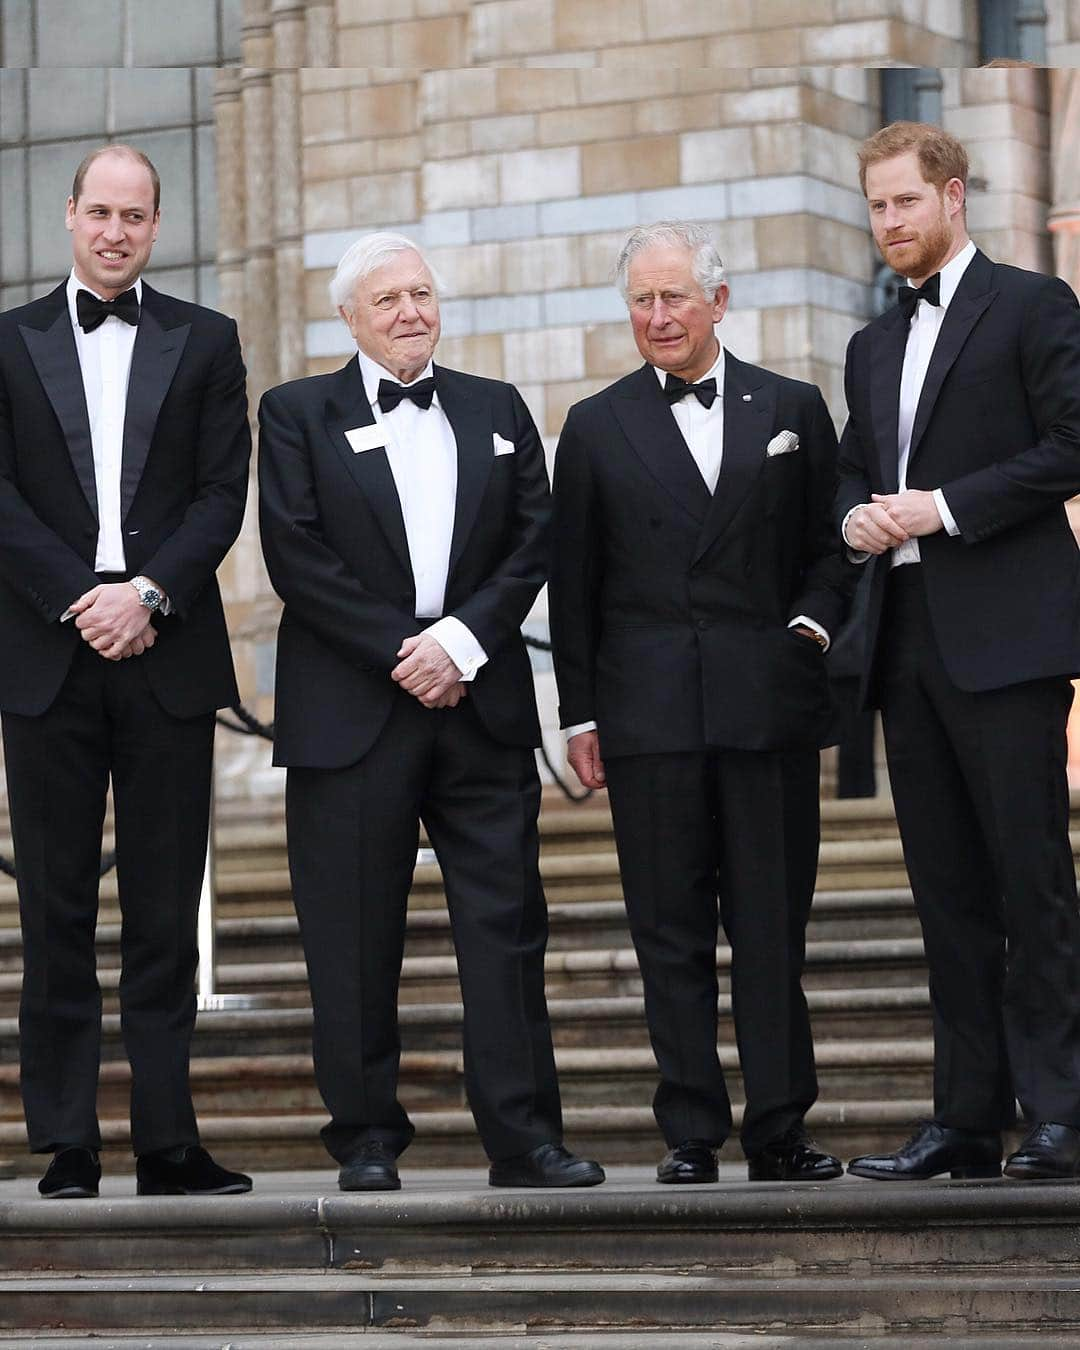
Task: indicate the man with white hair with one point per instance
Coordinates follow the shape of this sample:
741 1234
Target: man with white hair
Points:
404 513
695 581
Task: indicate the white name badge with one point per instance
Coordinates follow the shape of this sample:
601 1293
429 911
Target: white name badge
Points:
366 438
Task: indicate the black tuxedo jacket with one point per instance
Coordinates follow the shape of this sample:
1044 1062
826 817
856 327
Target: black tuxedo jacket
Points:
998 429
334 540
669 607
183 490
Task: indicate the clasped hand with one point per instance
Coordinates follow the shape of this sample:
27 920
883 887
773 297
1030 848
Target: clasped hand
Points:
427 672
891 519
114 621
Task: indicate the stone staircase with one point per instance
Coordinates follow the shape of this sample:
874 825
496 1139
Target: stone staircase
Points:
449 1263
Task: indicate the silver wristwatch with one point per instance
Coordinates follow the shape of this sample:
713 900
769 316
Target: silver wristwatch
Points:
149 595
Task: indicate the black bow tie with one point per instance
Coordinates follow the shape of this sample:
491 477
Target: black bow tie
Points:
675 389
930 291
391 394
93 312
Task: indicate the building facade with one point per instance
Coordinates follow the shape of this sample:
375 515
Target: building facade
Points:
518 140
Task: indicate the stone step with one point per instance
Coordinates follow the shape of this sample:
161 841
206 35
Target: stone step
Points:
434 1080
848 1260
673 1339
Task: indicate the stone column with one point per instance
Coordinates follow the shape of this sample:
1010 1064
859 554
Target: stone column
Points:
260 272
289 36
321 34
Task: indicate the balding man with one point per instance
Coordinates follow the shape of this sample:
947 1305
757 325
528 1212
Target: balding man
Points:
696 578
404 510
124 451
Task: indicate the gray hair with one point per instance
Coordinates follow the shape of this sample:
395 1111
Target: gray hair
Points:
366 254
706 263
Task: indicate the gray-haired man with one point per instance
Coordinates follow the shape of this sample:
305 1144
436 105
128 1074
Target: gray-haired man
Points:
404 511
695 580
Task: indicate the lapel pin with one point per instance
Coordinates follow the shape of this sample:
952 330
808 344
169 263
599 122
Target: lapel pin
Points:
746 398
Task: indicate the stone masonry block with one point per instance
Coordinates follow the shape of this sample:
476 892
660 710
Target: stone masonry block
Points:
999 121
826 109
627 165
705 156
542 175
450 94
445 227
377 198
479 354
398 152
1027 87
1004 210
598 23
832 157
598 254
506 222
779 147
544 355
608 85
646 55
780 104
514 132
1009 166
366 49
447 140
471 269
574 126
326 205
472 181
344 160
582 215
654 116
583 305
324 116
583 60
692 17
507 313
740 331
848 42
610 350
316 300
705 201
383 110
541 264
561 397
351 12
764 54
531 90
429 44
504 28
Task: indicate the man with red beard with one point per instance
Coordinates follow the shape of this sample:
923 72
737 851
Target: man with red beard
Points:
962 445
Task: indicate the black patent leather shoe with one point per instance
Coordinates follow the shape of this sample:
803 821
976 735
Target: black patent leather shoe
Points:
1048 1151
193 1172
546 1165
373 1167
793 1156
689 1163
933 1149
73 1174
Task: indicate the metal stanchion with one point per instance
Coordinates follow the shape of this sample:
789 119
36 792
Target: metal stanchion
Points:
208 1000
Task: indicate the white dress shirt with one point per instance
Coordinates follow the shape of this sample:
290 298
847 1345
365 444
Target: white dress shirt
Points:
703 431
105 362
422 451
923 334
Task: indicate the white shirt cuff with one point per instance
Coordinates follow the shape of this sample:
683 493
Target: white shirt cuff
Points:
946 515
578 728
801 619
461 647
855 555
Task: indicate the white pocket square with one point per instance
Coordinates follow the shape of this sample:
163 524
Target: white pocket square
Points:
782 444
502 445
371 437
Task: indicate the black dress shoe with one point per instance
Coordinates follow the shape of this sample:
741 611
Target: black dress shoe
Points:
186 1171
688 1163
793 1156
934 1149
546 1165
73 1174
1048 1150
373 1167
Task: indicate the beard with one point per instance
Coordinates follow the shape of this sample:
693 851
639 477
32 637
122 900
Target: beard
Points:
922 256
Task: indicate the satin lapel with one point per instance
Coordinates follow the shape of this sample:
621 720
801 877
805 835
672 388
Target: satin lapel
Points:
370 469
154 359
972 298
749 404
888 341
647 422
472 426
56 360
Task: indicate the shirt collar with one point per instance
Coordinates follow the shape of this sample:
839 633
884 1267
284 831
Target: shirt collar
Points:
951 273
74 286
371 373
715 371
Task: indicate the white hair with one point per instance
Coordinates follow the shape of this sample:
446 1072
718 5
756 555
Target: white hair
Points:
366 254
705 263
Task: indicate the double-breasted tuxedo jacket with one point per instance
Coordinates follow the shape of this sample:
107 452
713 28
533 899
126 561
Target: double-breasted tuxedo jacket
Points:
669 616
73 721
967 653
366 759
